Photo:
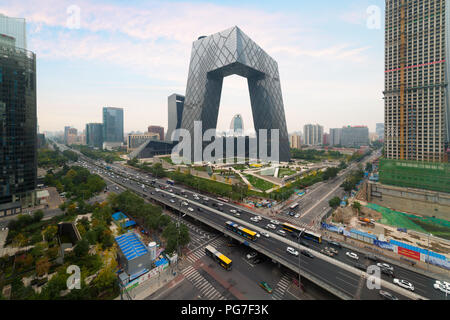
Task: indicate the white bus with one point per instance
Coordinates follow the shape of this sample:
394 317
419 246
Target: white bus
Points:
294 206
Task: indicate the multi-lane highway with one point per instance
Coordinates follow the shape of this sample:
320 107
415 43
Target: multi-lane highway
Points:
337 272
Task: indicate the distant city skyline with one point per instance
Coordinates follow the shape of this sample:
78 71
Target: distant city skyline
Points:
122 60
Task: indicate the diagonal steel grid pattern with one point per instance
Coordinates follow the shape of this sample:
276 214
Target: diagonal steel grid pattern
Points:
223 54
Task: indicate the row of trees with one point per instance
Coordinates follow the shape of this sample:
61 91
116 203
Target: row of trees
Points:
107 156
151 218
76 181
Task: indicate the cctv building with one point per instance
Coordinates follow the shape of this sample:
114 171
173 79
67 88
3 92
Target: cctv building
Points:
227 53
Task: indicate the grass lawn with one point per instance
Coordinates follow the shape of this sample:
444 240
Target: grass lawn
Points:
259 183
283 172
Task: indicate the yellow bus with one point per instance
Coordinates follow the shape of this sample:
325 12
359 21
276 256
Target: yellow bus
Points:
243 232
224 261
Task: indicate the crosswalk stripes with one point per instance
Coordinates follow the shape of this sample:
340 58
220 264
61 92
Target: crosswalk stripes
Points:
200 252
205 288
281 287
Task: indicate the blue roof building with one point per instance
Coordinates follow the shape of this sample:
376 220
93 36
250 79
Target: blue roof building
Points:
134 255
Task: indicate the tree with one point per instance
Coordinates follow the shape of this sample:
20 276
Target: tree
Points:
38 215
20 240
357 206
50 233
82 248
335 202
42 266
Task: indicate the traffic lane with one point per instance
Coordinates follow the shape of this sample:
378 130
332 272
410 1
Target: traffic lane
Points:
279 250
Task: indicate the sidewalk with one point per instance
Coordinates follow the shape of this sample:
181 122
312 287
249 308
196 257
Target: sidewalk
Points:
390 257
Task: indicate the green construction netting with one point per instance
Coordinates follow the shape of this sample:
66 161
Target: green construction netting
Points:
404 220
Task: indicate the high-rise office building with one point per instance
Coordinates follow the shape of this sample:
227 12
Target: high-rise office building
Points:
175 114
417 105
237 125
312 134
335 136
355 137
94 135
380 131
113 125
18 128
157 129
14 28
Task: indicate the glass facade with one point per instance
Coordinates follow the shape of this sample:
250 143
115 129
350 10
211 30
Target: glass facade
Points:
237 124
94 135
112 124
175 114
15 28
18 125
226 53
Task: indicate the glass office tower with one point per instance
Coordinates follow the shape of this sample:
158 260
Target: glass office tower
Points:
94 135
112 124
15 28
18 126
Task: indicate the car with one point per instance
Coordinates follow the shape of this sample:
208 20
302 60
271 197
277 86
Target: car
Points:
387 295
297 216
292 251
184 203
307 254
444 283
251 255
200 209
152 192
372 257
271 226
404 284
275 222
282 233
304 243
258 217
220 204
172 201
360 266
190 209
352 255
336 244
257 260
386 266
387 272
439 286
254 219
265 234
292 214
220 209
333 250
265 286
205 199
233 211
327 252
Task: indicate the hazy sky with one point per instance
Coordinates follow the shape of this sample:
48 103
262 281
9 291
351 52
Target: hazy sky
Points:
134 54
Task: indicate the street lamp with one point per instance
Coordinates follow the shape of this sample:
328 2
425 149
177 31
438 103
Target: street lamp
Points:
299 276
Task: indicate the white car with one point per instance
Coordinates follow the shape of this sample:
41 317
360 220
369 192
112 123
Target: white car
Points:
443 283
184 203
259 218
440 286
251 255
233 211
352 255
281 233
254 219
172 201
275 222
265 234
297 215
271 226
190 209
404 284
385 266
292 251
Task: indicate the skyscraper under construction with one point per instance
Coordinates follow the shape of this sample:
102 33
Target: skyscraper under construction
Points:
417 108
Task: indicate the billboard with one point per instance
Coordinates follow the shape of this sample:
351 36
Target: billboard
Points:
408 253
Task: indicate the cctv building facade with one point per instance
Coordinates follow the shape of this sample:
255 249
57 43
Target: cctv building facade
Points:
226 53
